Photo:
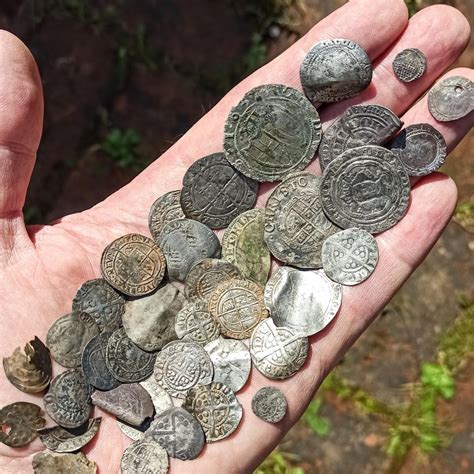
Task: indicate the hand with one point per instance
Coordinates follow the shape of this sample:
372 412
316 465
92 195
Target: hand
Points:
43 266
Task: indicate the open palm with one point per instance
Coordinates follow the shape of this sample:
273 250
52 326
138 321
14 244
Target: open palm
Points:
43 266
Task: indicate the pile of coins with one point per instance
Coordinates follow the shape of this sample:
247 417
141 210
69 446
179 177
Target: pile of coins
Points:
168 337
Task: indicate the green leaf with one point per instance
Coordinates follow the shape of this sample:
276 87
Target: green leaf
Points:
439 378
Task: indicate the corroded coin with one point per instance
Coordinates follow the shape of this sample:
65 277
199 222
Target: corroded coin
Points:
125 360
19 422
295 224
335 70
273 131
365 187
303 300
102 302
232 362
409 64
359 125
178 432
182 365
350 256
195 323
47 463
277 352
165 209
133 264
269 404
68 336
243 245
159 396
214 192
216 408
68 399
144 456
186 242
238 307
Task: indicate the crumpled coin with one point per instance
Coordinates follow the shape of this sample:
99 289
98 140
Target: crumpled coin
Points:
46 463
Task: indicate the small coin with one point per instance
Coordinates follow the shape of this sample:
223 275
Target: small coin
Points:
159 396
303 300
102 302
243 245
335 70
451 99
271 132
409 64
46 463
186 242
195 323
144 456
178 432
214 192
232 362
165 209
133 264
134 432
68 336
238 306
19 422
277 352
269 404
295 224
365 187
350 256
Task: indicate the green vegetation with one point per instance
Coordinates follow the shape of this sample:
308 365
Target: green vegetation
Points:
121 146
464 215
319 425
278 463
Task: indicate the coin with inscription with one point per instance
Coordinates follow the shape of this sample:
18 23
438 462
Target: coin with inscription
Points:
274 130
269 404
409 64
47 463
195 323
133 264
335 70
19 422
365 187
144 456
159 396
165 209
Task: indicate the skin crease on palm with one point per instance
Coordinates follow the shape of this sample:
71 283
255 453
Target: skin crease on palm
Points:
43 266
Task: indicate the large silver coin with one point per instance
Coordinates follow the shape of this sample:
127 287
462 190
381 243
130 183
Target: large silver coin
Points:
295 224
165 209
303 300
144 456
269 404
195 323
335 70
272 131
366 187
409 64
159 396
350 256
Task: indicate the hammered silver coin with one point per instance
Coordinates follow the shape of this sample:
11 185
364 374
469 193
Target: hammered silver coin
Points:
269 404
409 64
165 209
144 456
159 396
19 423
195 323
134 432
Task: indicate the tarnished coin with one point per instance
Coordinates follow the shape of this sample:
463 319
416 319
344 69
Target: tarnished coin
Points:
186 242
144 456
295 224
47 463
125 360
182 365
238 307
102 302
195 323
451 99
133 264
134 432
409 64
68 336
366 187
165 209
277 352
68 399
231 360
214 192
19 422
303 300
359 125
61 440
350 256
335 70
273 131
269 404
178 432
159 396
243 245
216 408
29 371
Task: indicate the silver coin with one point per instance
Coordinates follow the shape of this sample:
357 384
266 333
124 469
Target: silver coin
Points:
159 396
19 423
335 70
134 432
350 256
295 224
165 209
195 323
277 352
273 131
186 242
269 404
232 362
366 187
144 456
303 300
409 64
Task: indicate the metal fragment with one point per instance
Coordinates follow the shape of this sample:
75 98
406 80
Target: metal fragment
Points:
46 463
19 422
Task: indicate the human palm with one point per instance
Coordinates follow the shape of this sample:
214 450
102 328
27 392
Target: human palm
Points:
43 266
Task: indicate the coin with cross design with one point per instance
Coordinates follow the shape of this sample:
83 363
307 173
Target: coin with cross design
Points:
409 64
144 456
195 323
165 209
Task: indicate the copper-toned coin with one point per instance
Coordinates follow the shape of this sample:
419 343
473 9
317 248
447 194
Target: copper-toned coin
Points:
19 422
165 209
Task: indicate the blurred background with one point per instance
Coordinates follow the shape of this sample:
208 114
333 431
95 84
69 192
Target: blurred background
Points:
124 80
